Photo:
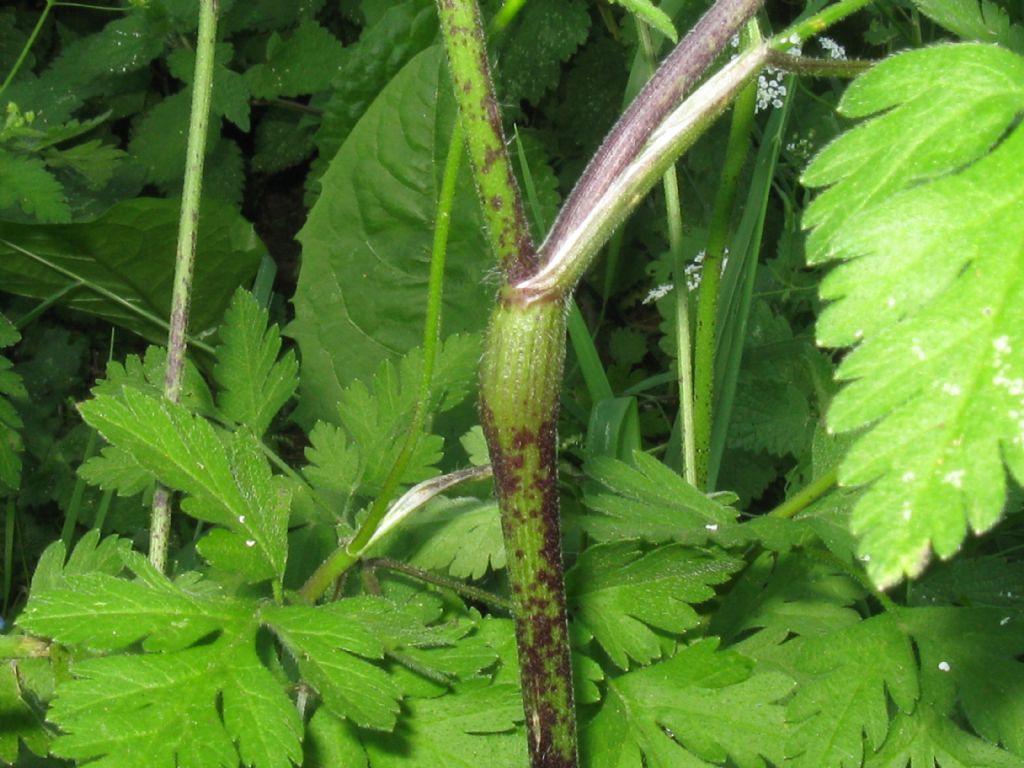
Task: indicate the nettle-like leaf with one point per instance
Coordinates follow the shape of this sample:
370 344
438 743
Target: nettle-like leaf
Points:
543 37
929 186
701 706
841 703
231 486
256 384
651 502
619 594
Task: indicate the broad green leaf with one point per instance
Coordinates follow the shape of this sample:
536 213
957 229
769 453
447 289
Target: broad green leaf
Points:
619 593
361 296
471 727
929 186
234 490
332 649
650 502
841 706
128 253
255 382
980 20
30 186
650 14
701 706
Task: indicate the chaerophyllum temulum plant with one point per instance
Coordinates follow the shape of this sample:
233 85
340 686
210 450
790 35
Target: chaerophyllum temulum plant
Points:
324 615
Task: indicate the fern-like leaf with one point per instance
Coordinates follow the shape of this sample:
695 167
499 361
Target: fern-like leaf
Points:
923 214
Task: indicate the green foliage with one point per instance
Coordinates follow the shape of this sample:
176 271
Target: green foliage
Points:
936 367
731 626
367 242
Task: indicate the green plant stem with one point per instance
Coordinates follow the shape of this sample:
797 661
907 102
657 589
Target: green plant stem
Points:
501 202
28 46
707 306
520 380
184 266
805 497
349 552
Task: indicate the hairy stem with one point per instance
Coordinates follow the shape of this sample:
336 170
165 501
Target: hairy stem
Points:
519 384
478 107
188 233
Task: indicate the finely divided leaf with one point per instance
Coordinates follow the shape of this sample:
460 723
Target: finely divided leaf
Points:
162 709
700 706
651 502
255 382
928 187
844 677
619 593
183 452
